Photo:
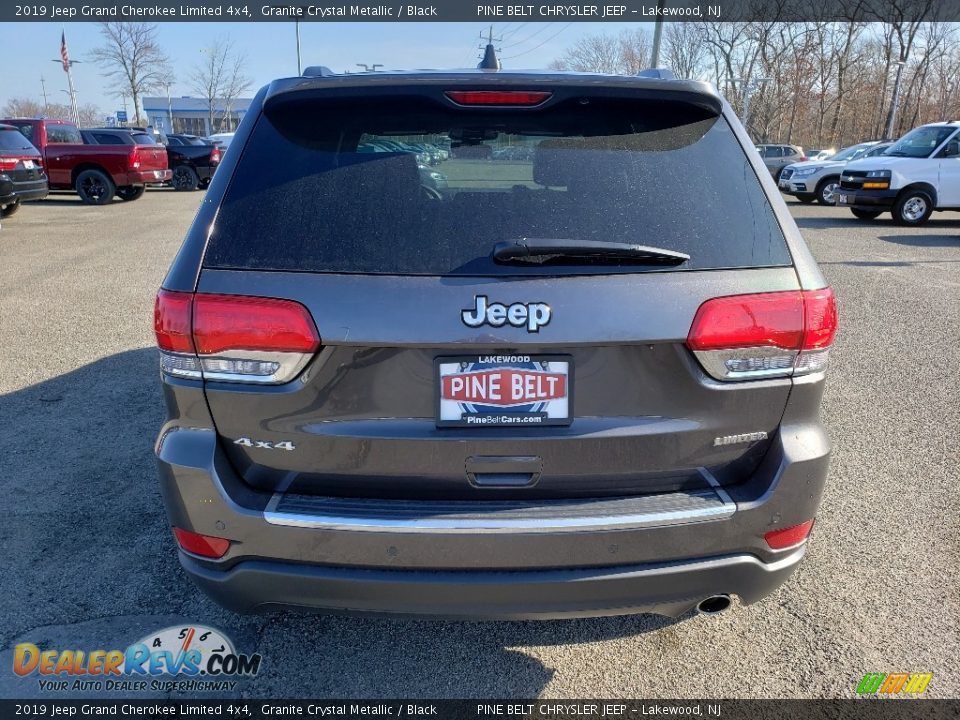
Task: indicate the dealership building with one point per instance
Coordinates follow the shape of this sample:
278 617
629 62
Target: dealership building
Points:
191 116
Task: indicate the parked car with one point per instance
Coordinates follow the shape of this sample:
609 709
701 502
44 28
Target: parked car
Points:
21 166
777 157
192 161
918 174
221 140
96 172
820 179
429 177
492 402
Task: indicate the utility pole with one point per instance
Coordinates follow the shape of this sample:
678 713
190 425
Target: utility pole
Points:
296 24
167 85
490 60
46 105
370 68
892 115
657 32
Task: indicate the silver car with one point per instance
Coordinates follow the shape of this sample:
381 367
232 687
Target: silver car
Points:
777 157
820 180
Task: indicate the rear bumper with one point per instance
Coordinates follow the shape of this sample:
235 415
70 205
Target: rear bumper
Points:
142 177
596 557
12 190
670 589
866 199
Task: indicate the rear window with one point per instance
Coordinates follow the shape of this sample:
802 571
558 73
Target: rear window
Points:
12 141
143 139
63 134
414 187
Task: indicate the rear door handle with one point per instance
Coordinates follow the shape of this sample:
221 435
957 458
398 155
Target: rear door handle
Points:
487 471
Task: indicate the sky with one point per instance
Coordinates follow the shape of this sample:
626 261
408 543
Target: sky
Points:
270 49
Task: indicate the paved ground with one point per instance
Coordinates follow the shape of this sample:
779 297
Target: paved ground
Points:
88 560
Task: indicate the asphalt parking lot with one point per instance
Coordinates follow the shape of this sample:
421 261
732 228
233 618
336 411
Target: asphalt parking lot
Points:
88 560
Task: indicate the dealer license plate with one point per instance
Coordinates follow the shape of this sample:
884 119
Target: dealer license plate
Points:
504 390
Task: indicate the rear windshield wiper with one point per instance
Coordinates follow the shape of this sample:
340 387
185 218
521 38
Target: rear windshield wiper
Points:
563 251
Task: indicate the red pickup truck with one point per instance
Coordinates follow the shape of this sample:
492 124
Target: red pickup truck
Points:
95 172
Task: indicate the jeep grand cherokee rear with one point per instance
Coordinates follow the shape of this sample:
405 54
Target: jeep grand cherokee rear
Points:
581 379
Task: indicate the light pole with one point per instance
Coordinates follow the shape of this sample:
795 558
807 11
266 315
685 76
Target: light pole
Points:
892 115
749 88
296 24
167 85
657 32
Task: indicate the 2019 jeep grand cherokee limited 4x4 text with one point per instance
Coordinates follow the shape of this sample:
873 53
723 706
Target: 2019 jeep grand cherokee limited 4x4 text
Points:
579 380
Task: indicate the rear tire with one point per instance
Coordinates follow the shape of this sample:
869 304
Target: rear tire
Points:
827 191
131 192
806 199
865 214
185 178
95 187
913 208
8 210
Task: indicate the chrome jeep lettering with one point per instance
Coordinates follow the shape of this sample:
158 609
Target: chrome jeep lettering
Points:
532 315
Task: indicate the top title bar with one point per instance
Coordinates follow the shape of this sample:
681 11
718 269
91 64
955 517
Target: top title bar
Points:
473 11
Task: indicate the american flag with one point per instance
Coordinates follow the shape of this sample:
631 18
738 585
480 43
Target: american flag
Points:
64 56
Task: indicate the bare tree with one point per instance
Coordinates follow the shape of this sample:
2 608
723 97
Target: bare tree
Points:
683 49
90 115
623 54
220 78
131 58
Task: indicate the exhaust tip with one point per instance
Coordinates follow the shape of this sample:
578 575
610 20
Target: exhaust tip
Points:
713 605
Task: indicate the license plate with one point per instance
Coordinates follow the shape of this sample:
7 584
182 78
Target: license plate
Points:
843 199
28 164
158 174
504 390
782 184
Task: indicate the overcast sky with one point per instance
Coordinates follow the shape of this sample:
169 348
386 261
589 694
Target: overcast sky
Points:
270 49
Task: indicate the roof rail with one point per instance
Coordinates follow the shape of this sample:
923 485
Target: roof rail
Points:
657 74
318 71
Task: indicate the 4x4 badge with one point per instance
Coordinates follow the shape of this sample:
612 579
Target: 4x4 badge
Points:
532 315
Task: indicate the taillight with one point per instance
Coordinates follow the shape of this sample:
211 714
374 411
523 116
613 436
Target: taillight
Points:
215 155
233 338
207 546
789 536
803 158
133 159
8 163
498 97
745 337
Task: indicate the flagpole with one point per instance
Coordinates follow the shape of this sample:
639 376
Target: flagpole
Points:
73 95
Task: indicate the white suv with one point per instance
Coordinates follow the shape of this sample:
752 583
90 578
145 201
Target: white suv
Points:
920 173
820 179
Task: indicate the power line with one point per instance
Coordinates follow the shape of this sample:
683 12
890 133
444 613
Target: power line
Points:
528 37
537 47
513 32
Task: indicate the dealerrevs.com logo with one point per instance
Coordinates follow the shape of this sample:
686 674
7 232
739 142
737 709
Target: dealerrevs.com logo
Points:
181 658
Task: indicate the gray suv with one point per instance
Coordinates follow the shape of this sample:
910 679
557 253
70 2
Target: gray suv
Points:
777 157
582 380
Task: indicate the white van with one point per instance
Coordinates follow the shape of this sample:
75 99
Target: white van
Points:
919 174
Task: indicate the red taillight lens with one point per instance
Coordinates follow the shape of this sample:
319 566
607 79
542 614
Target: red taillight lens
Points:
803 158
215 156
788 537
171 321
8 163
819 318
744 337
234 322
498 97
134 158
739 321
203 545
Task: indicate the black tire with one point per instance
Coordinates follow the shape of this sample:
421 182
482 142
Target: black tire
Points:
205 183
185 178
806 199
777 174
913 208
865 214
95 187
827 191
8 210
129 193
